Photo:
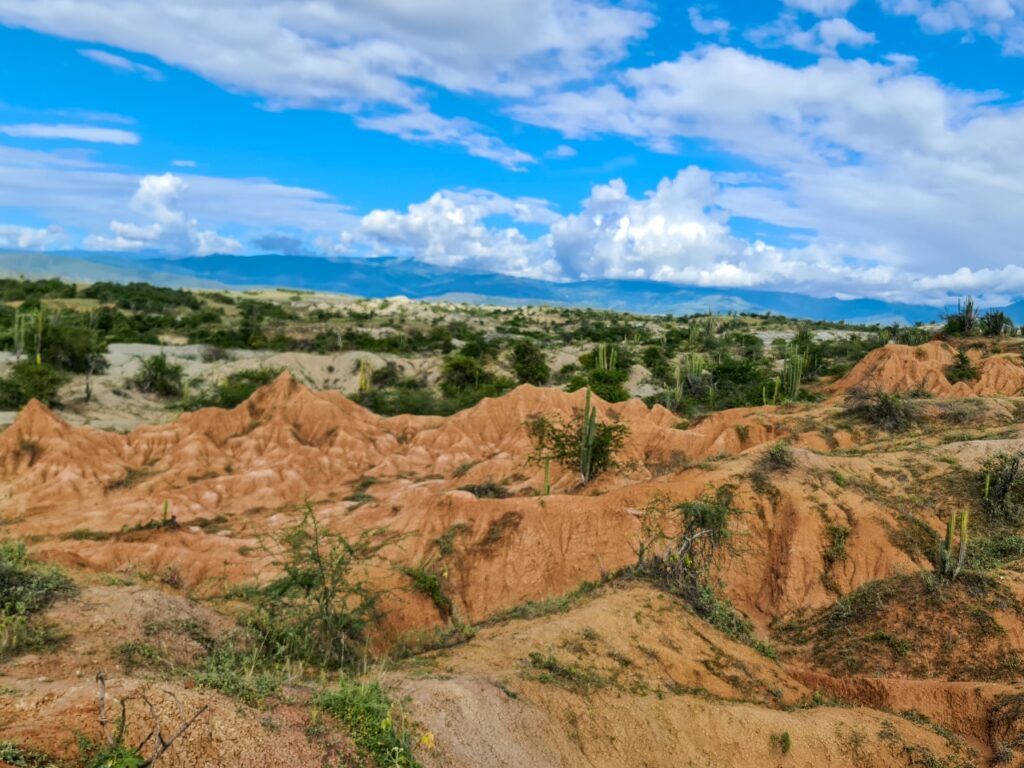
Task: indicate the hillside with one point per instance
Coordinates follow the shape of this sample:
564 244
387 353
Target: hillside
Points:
359 541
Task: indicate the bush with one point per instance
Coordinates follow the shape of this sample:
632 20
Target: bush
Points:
1001 486
678 551
778 457
319 609
962 369
582 443
374 724
27 381
888 411
159 376
996 323
26 589
235 388
529 364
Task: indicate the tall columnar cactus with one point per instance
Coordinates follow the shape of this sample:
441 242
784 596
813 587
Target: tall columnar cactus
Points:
589 432
547 476
948 565
793 373
606 358
364 376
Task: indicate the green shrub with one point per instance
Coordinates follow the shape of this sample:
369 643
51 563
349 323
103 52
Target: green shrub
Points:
887 411
488 490
159 376
582 443
234 389
376 726
319 609
27 381
678 553
962 369
26 589
778 457
528 363
1000 484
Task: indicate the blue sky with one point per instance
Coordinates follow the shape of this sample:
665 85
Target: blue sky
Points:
834 147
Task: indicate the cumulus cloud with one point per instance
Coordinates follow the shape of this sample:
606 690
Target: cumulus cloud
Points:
32 239
1002 20
871 158
157 201
677 233
114 61
87 133
364 57
451 229
823 38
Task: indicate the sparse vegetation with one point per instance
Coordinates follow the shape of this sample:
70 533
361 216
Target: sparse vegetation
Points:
889 411
27 588
961 369
583 443
319 609
377 726
159 376
778 457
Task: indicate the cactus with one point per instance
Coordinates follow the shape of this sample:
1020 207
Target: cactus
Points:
792 373
547 476
606 357
947 565
364 376
28 332
587 438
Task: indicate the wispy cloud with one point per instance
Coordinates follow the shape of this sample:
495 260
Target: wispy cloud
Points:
115 61
88 133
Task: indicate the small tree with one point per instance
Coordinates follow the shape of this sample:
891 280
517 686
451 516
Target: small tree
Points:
321 606
27 381
996 323
160 376
529 364
962 369
582 443
963 322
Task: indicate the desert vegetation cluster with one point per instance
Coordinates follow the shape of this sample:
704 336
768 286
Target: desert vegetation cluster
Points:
284 528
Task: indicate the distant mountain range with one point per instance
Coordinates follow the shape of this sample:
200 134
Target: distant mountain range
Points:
386 276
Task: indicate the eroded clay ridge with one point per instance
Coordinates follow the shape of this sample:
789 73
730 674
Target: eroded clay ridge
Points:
900 368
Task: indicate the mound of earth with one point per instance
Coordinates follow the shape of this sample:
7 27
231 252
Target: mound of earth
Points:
900 368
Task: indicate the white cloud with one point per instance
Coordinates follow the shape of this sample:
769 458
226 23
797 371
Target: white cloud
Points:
708 26
678 232
157 200
362 57
75 190
885 168
425 126
560 152
115 61
183 163
821 7
87 133
1002 20
451 229
823 38
32 239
